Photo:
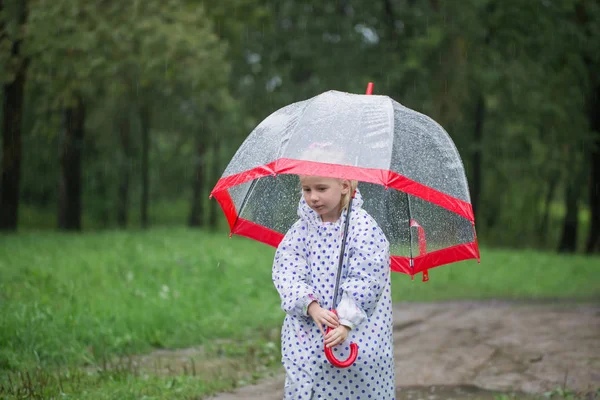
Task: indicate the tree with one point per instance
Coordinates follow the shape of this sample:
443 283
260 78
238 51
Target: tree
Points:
65 71
583 30
70 204
587 17
139 54
145 115
123 127
593 240
14 76
171 55
517 91
196 217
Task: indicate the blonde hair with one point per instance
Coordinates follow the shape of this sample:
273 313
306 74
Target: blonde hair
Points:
346 198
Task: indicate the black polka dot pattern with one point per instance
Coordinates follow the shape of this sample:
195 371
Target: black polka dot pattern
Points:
304 270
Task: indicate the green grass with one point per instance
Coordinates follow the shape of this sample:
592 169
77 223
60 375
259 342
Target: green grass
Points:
121 385
121 292
506 274
72 300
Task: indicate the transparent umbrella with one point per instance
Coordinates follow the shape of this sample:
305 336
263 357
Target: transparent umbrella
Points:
410 172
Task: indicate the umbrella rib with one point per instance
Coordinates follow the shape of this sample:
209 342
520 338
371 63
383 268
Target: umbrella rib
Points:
410 238
341 258
402 172
250 190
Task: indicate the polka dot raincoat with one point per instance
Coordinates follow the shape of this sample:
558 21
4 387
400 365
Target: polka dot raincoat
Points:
304 270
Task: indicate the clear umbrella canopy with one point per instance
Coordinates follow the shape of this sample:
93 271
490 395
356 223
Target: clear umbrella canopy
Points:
411 176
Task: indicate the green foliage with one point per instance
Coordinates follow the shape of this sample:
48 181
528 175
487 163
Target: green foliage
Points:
116 59
12 31
119 48
210 71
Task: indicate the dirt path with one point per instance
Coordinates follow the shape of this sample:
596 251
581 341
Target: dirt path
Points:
463 348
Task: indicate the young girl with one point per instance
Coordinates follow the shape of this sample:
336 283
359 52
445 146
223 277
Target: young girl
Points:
304 273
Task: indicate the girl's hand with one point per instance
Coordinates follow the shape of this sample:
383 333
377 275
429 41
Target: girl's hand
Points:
336 336
322 316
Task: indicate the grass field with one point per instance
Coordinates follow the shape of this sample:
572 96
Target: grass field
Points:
70 302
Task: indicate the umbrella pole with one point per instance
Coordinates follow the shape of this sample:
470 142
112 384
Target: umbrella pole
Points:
341 258
353 346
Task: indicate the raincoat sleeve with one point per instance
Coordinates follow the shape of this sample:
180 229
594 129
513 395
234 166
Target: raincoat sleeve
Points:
368 272
291 274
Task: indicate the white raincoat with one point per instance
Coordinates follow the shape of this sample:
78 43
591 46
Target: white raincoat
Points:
304 270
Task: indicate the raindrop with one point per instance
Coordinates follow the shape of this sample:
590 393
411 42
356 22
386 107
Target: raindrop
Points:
273 83
253 58
369 35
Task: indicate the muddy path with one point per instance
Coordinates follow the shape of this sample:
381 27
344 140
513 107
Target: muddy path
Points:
478 349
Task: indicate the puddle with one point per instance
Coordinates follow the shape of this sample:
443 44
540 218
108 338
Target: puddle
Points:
453 393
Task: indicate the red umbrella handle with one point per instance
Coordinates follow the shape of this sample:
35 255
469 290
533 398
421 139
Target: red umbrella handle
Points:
334 361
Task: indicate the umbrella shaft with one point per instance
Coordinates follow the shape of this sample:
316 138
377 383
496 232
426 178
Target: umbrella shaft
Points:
341 258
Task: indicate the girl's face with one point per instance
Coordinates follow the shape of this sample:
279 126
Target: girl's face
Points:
324 195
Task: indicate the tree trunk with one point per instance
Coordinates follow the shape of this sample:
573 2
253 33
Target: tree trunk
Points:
478 143
543 226
196 218
123 191
390 20
592 106
586 24
568 240
145 127
102 210
69 203
104 214
213 220
593 240
11 134
477 172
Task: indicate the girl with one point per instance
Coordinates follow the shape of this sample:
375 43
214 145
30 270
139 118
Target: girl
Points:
304 273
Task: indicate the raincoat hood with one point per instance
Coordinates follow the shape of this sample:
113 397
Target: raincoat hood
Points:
311 217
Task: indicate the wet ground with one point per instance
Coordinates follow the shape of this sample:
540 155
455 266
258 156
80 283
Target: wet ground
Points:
481 350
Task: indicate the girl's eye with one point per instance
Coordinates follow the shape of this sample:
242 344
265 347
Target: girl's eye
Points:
305 189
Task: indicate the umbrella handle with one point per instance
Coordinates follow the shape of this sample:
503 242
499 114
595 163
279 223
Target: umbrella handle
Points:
334 361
